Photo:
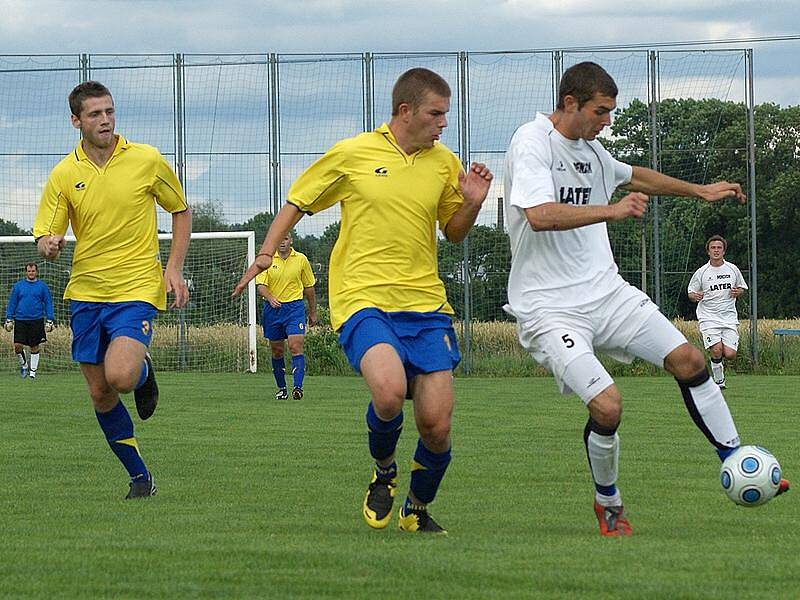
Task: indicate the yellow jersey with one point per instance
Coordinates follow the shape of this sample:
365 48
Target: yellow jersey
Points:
287 278
385 256
113 215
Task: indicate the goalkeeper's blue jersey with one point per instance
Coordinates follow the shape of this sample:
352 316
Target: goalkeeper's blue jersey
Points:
29 300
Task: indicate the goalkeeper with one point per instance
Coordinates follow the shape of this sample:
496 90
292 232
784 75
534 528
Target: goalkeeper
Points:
28 304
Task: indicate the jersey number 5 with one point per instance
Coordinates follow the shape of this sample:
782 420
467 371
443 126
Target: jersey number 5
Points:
567 340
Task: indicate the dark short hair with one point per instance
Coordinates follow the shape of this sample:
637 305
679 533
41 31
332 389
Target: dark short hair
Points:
717 238
32 264
583 81
82 91
412 86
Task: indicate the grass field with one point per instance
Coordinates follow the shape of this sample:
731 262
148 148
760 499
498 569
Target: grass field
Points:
262 499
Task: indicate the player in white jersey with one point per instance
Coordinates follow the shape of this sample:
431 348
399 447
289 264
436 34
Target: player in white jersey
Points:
565 290
715 287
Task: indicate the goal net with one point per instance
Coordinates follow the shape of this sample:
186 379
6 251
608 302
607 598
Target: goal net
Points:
212 333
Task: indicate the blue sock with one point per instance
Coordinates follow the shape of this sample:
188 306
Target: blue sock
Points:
427 470
279 369
142 375
383 435
606 490
118 428
298 369
725 452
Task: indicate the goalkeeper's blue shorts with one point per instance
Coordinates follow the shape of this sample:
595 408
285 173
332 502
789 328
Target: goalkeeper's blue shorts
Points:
288 319
425 342
95 324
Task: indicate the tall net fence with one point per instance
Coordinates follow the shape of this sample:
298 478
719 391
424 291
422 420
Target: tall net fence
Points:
239 128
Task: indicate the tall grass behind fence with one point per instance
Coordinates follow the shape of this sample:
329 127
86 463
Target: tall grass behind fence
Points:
496 351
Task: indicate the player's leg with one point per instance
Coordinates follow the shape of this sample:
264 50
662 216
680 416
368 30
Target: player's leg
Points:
19 352
372 349
295 324
730 345
278 349
432 353
117 426
34 361
433 411
128 366
716 353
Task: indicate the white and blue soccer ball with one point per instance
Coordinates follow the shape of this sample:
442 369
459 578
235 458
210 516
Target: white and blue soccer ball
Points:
750 476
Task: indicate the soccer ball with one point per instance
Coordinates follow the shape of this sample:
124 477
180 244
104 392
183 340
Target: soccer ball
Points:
750 476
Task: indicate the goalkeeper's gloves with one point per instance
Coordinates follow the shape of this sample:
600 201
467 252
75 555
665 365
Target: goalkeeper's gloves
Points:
8 325
48 326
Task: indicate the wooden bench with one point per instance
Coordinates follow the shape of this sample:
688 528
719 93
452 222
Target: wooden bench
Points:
781 333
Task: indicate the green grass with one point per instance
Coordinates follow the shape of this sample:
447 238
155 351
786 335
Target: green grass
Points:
262 499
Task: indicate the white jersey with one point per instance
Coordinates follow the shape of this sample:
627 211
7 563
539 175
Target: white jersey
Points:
717 308
558 268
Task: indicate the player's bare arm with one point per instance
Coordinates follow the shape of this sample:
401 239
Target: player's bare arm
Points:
695 296
264 292
173 272
474 186
651 182
311 299
553 216
287 217
50 246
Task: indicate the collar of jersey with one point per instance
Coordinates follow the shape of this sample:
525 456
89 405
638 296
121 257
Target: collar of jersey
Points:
386 132
122 144
278 254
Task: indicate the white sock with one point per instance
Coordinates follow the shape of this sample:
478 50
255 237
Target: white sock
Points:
603 451
34 361
713 411
21 359
717 371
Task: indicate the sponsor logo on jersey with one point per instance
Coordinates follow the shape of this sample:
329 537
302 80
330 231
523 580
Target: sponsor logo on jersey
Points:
724 276
582 167
720 286
382 172
592 381
574 195
80 186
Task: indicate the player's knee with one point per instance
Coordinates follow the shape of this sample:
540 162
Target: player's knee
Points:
388 401
277 352
18 348
296 347
435 433
606 409
122 380
685 362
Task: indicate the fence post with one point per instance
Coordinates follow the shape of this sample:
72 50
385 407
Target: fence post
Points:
275 141
180 171
653 60
366 81
751 194
463 131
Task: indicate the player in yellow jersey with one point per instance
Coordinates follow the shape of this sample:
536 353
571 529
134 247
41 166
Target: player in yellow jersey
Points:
107 189
284 285
386 299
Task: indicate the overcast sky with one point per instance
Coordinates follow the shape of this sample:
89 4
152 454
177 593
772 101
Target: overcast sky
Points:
131 26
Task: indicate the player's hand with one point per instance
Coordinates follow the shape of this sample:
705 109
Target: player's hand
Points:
50 246
49 326
8 325
695 296
475 183
632 205
721 190
736 292
261 263
274 302
312 319
176 284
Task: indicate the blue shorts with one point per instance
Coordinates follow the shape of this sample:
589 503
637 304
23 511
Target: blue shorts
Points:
95 324
288 319
425 342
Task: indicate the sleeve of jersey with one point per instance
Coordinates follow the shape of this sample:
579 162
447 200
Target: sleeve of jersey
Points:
740 282
166 187
452 198
52 217
531 179
694 283
321 185
13 300
620 171
306 274
48 302
263 278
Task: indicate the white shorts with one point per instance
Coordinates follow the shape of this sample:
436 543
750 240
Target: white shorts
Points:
729 336
624 325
